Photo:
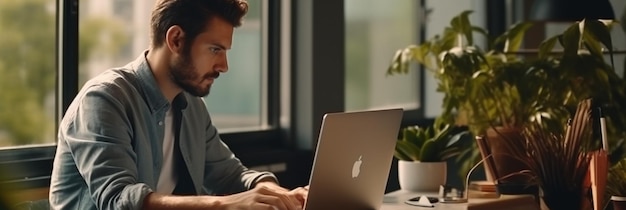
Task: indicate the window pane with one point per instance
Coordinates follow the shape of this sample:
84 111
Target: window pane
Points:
28 71
115 32
441 12
235 99
111 34
374 31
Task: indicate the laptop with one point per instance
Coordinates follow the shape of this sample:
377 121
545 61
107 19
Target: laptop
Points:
353 159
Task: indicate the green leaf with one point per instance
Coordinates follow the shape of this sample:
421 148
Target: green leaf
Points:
408 150
461 25
414 136
447 42
513 37
594 30
546 47
396 64
443 134
449 152
478 81
429 152
420 52
480 31
571 41
459 139
401 156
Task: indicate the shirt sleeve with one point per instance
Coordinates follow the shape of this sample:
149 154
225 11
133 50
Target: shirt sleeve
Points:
224 173
99 139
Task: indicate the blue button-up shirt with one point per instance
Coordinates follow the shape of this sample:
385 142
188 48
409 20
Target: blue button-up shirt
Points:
109 154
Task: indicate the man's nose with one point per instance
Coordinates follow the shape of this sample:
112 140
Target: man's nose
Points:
222 65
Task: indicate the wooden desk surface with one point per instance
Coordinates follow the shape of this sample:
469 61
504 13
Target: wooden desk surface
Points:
395 201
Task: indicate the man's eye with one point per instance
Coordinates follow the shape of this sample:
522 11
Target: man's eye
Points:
215 50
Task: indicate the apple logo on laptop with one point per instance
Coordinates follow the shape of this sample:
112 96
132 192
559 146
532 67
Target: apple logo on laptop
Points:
356 168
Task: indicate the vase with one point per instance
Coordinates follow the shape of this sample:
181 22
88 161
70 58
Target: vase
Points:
619 202
567 199
501 142
418 176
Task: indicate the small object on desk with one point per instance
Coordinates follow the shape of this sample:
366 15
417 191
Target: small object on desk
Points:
482 189
482 194
448 194
422 201
430 199
483 186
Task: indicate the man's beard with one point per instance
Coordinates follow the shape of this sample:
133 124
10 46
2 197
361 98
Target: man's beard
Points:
183 73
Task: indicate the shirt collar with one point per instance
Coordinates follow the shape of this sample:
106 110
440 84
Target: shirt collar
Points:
152 94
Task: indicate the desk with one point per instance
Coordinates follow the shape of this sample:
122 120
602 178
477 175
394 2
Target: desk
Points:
395 201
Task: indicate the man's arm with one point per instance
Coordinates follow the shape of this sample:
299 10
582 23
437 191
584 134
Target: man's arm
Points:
261 197
223 172
97 135
166 202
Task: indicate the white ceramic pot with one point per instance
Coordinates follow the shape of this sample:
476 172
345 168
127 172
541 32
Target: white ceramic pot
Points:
421 176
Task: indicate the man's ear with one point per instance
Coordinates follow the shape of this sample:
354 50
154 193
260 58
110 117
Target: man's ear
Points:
175 39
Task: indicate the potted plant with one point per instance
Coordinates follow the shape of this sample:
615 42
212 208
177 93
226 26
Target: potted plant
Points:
496 92
422 153
559 161
481 87
478 85
616 185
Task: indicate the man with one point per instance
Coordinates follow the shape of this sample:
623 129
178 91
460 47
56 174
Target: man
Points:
139 137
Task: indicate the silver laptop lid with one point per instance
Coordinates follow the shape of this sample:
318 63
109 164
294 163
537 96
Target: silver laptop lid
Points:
353 159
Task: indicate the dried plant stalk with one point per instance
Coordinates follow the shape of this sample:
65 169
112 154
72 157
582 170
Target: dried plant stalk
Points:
560 162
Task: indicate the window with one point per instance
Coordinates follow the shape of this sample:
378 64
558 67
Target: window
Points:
42 70
439 16
28 69
236 99
113 33
374 31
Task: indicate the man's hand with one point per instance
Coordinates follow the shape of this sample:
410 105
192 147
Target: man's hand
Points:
301 193
267 195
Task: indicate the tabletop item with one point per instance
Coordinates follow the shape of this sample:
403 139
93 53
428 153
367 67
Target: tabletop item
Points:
353 159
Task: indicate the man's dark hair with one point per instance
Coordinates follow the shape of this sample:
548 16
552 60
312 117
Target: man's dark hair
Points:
192 16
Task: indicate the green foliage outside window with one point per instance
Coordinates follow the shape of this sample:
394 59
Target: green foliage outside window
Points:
28 67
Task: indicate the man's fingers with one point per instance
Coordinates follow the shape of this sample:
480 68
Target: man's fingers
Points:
273 201
297 202
287 200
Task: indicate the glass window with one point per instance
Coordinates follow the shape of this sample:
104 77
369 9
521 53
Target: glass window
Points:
374 31
113 33
618 36
235 102
440 12
28 72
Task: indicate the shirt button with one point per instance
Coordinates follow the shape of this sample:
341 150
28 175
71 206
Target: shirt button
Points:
161 123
